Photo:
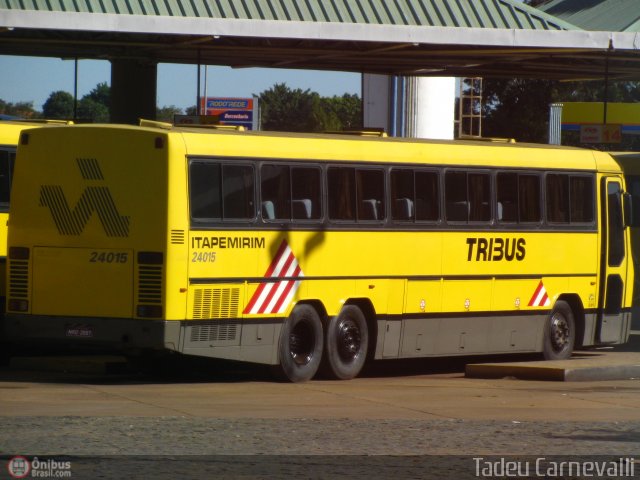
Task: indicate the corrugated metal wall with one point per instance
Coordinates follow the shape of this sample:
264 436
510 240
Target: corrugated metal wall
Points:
450 13
607 15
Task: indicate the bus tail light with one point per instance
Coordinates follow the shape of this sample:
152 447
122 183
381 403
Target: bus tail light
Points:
149 311
18 305
18 253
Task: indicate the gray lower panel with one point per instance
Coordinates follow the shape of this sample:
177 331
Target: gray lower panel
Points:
614 328
232 339
459 336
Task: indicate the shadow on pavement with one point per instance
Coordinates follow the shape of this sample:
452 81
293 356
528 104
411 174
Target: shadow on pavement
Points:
186 369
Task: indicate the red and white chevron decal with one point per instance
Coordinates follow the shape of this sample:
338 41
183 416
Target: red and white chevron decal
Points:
275 296
540 297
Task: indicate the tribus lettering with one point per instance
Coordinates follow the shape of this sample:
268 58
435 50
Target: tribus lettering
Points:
496 249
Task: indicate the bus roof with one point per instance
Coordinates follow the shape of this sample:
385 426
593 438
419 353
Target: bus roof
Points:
371 148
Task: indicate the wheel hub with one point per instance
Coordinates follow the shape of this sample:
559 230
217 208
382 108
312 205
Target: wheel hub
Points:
560 332
301 343
349 340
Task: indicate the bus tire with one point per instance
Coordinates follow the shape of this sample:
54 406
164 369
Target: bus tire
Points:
346 344
300 345
559 332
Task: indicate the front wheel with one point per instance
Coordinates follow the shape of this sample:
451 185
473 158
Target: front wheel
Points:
559 332
346 344
300 345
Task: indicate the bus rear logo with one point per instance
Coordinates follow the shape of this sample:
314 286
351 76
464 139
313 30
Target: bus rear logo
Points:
72 220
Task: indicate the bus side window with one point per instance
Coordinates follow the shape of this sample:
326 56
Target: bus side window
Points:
341 184
457 206
276 191
479 197
427 199
581 193
238 192
507 197
306 193
557 193
370 191
529 205
402 195
204 191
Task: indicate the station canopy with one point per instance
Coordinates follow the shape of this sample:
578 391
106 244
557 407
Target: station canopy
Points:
489 38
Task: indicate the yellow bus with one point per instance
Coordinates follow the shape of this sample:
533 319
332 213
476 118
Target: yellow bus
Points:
9 135
313 253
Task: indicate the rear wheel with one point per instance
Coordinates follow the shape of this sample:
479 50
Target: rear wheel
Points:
300 345
346 344
559 332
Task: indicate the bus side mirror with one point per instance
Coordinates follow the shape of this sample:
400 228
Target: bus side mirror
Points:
628 210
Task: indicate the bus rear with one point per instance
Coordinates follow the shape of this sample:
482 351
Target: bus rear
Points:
88 238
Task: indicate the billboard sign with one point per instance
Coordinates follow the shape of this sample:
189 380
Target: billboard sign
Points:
231 111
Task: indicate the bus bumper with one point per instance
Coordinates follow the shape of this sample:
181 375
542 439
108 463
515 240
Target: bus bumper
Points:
122 335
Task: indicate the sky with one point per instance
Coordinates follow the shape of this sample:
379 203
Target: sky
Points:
32 79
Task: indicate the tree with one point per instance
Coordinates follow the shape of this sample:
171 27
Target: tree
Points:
94 106
284 109
100 94
90 110
347 109
18 109
166 113
519 108
59 105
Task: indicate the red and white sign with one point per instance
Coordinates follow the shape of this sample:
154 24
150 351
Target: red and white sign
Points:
274 296
540 297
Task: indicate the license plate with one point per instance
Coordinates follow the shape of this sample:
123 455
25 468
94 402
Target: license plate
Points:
83 331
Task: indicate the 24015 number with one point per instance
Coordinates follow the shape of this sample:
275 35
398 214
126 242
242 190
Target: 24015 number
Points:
203 257
108 257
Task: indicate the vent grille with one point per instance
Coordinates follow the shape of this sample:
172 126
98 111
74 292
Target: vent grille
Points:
221 331
18 279
150 284
177 237
216 303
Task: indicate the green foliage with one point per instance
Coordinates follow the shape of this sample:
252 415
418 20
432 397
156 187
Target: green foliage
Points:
93 107
165 114
92 111
519 108
100 94
59 105
347 109
18 109
284 109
